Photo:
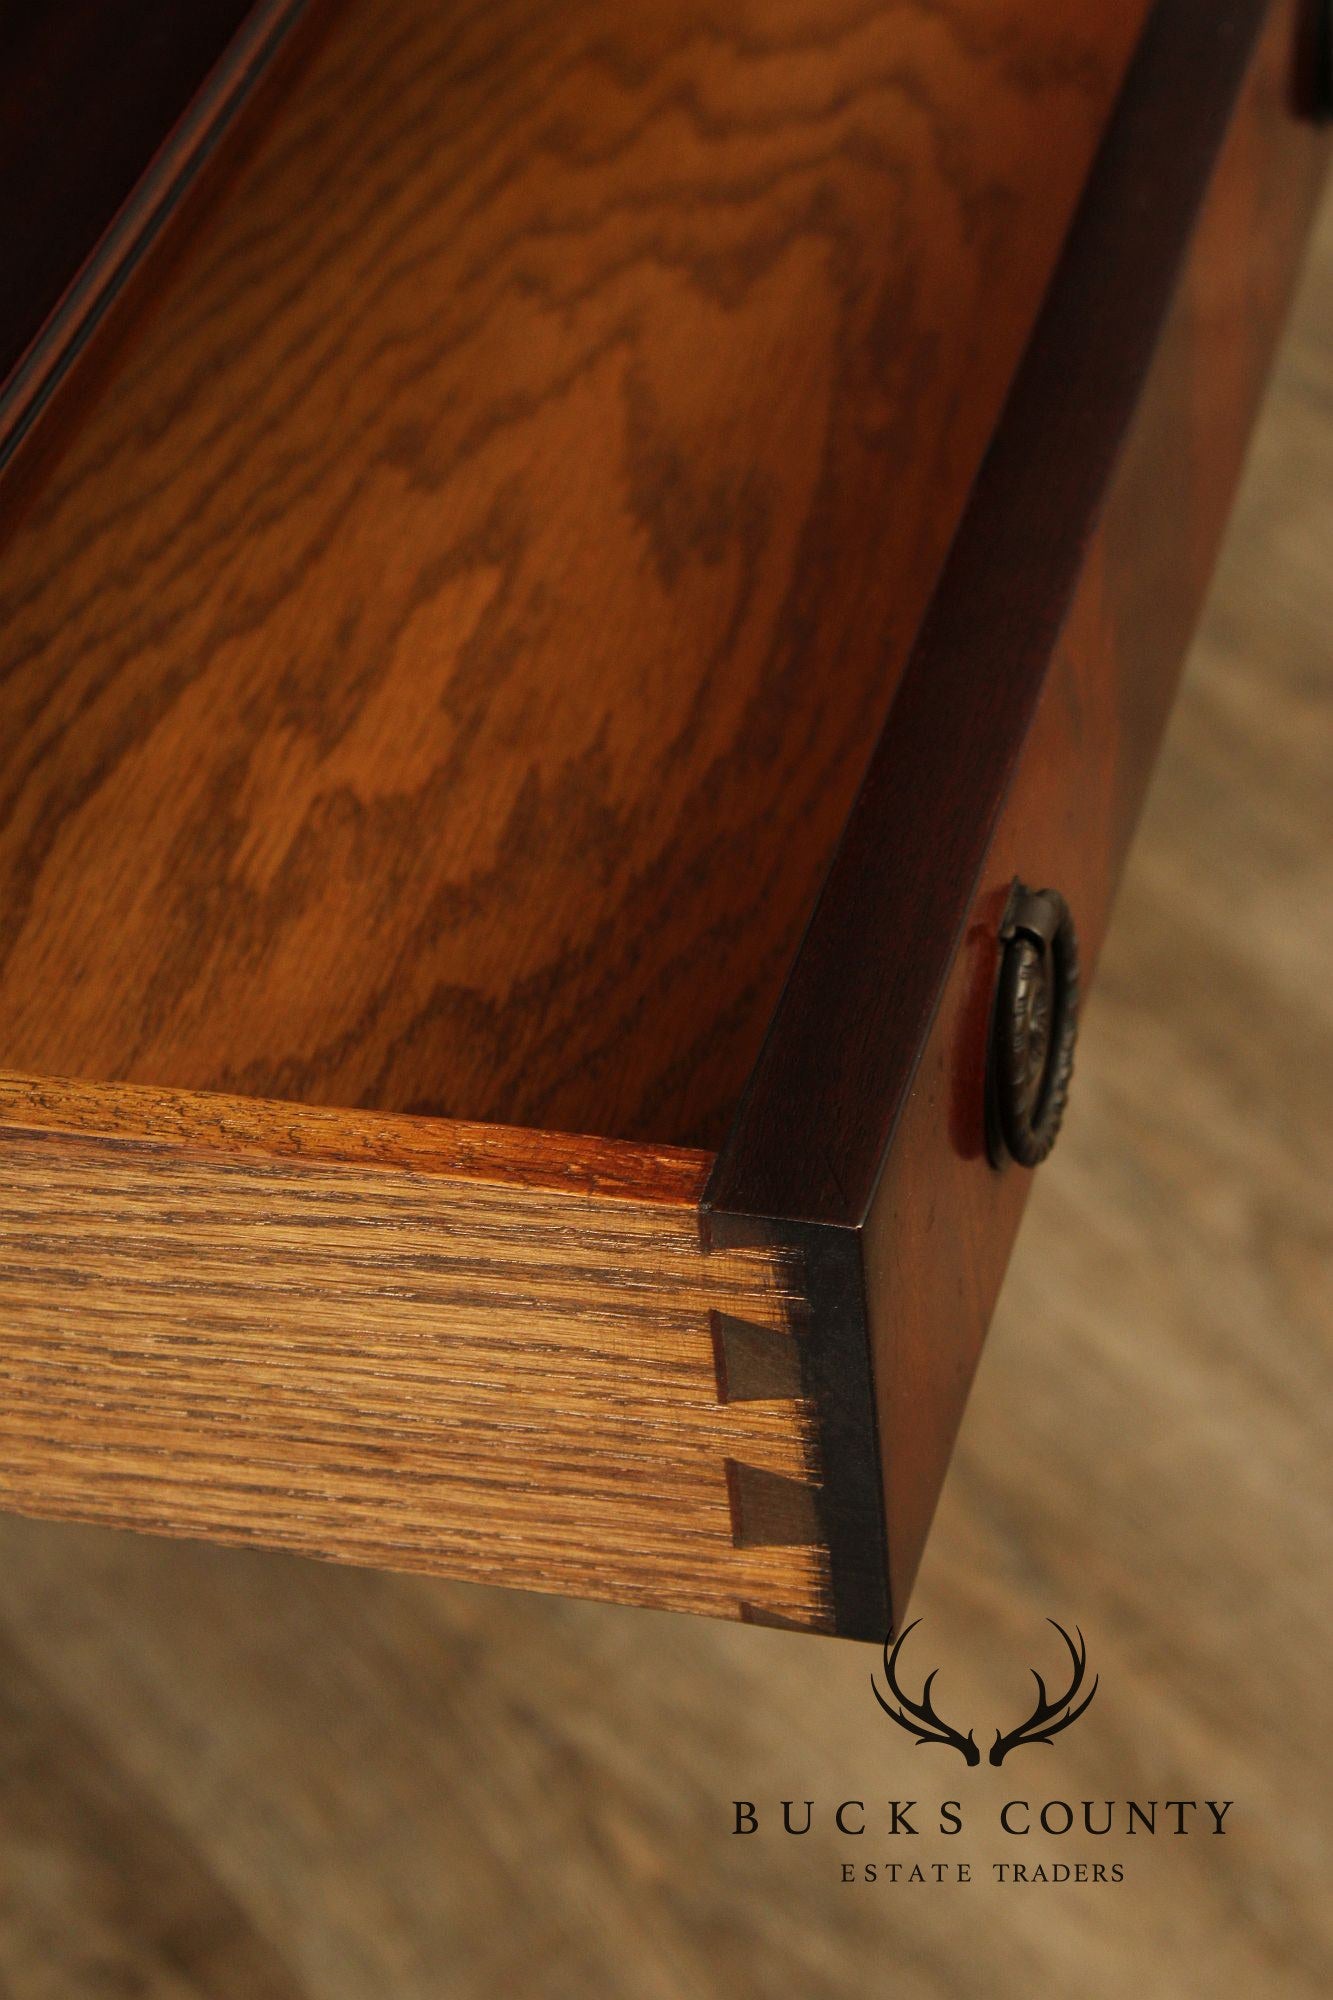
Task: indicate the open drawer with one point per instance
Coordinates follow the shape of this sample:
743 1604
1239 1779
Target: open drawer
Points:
547 652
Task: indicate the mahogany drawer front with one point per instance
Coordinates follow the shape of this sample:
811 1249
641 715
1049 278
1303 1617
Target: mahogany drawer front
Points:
1024 734
714 1360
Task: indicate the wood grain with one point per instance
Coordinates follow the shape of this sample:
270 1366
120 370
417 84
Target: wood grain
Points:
226 1772
278 1325
436 676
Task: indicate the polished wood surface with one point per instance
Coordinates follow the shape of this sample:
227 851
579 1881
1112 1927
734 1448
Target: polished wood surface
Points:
436 674
1202 116
1029 717
230 1773
400 1342
1075 796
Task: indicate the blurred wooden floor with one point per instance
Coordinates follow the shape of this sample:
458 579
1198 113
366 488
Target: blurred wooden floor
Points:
246 1776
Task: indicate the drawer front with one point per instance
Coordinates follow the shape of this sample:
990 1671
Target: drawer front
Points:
1021 742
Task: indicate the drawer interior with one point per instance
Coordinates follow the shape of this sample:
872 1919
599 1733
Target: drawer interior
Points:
439 666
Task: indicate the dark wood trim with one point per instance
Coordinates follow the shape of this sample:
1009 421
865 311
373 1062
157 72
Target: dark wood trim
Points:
1074 579
174 158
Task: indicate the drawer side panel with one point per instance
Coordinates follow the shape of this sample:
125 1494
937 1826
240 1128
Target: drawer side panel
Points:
339 1345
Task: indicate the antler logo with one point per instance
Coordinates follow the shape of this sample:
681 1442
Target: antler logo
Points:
1046 1721
1048 1718
919 1718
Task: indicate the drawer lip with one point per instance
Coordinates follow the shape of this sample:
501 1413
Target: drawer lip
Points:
284 1130
820 1109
